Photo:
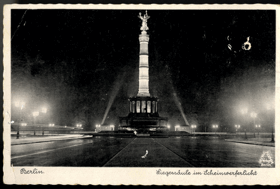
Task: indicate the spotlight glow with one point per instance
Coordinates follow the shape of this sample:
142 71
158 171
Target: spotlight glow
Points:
35 114
117 85
44 110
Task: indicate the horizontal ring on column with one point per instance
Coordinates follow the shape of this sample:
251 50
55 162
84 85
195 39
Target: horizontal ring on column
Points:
143 38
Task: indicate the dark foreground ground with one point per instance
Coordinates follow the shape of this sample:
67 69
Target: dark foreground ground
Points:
98 151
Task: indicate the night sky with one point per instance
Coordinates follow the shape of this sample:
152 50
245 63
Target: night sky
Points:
75 62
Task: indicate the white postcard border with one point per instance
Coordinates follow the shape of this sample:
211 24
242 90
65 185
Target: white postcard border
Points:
130 176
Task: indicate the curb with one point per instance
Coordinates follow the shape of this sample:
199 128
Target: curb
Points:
260 144
48 141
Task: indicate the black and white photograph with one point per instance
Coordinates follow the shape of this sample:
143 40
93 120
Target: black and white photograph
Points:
166 92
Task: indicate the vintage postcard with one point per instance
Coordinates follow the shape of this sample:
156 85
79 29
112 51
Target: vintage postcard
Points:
141 94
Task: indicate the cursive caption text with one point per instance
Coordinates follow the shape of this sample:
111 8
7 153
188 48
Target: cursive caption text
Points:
207 173
33 171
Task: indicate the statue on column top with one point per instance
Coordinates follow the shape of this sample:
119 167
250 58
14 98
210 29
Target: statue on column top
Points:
144 21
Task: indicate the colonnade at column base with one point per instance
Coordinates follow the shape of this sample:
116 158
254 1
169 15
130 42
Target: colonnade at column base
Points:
143 114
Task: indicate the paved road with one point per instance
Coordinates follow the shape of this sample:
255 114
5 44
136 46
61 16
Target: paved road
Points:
128 152
147 152
216 152
80 152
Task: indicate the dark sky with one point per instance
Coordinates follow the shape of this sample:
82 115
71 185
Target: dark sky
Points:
75 61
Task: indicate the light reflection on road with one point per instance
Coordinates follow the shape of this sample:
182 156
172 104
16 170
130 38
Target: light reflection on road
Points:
35 147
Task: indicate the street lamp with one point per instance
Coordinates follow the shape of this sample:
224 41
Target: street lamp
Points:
35 114
21 106
254 115
244 111
193 127
215 127
112 127
44 110
258 127
177 127
269 108
237 127
97 127
21 124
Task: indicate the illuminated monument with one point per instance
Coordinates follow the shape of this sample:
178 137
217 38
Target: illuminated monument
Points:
143 112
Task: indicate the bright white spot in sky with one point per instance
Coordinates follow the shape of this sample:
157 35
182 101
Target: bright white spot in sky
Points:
228 62
247 45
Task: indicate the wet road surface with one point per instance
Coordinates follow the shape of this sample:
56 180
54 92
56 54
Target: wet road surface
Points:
216 152
128 152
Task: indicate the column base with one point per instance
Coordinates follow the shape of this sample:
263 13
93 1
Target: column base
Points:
143 94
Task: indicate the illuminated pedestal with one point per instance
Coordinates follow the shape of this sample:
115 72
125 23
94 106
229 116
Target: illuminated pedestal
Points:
143 115
185 128
105 128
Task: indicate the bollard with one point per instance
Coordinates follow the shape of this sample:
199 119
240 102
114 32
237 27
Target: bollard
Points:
17 134
272 137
